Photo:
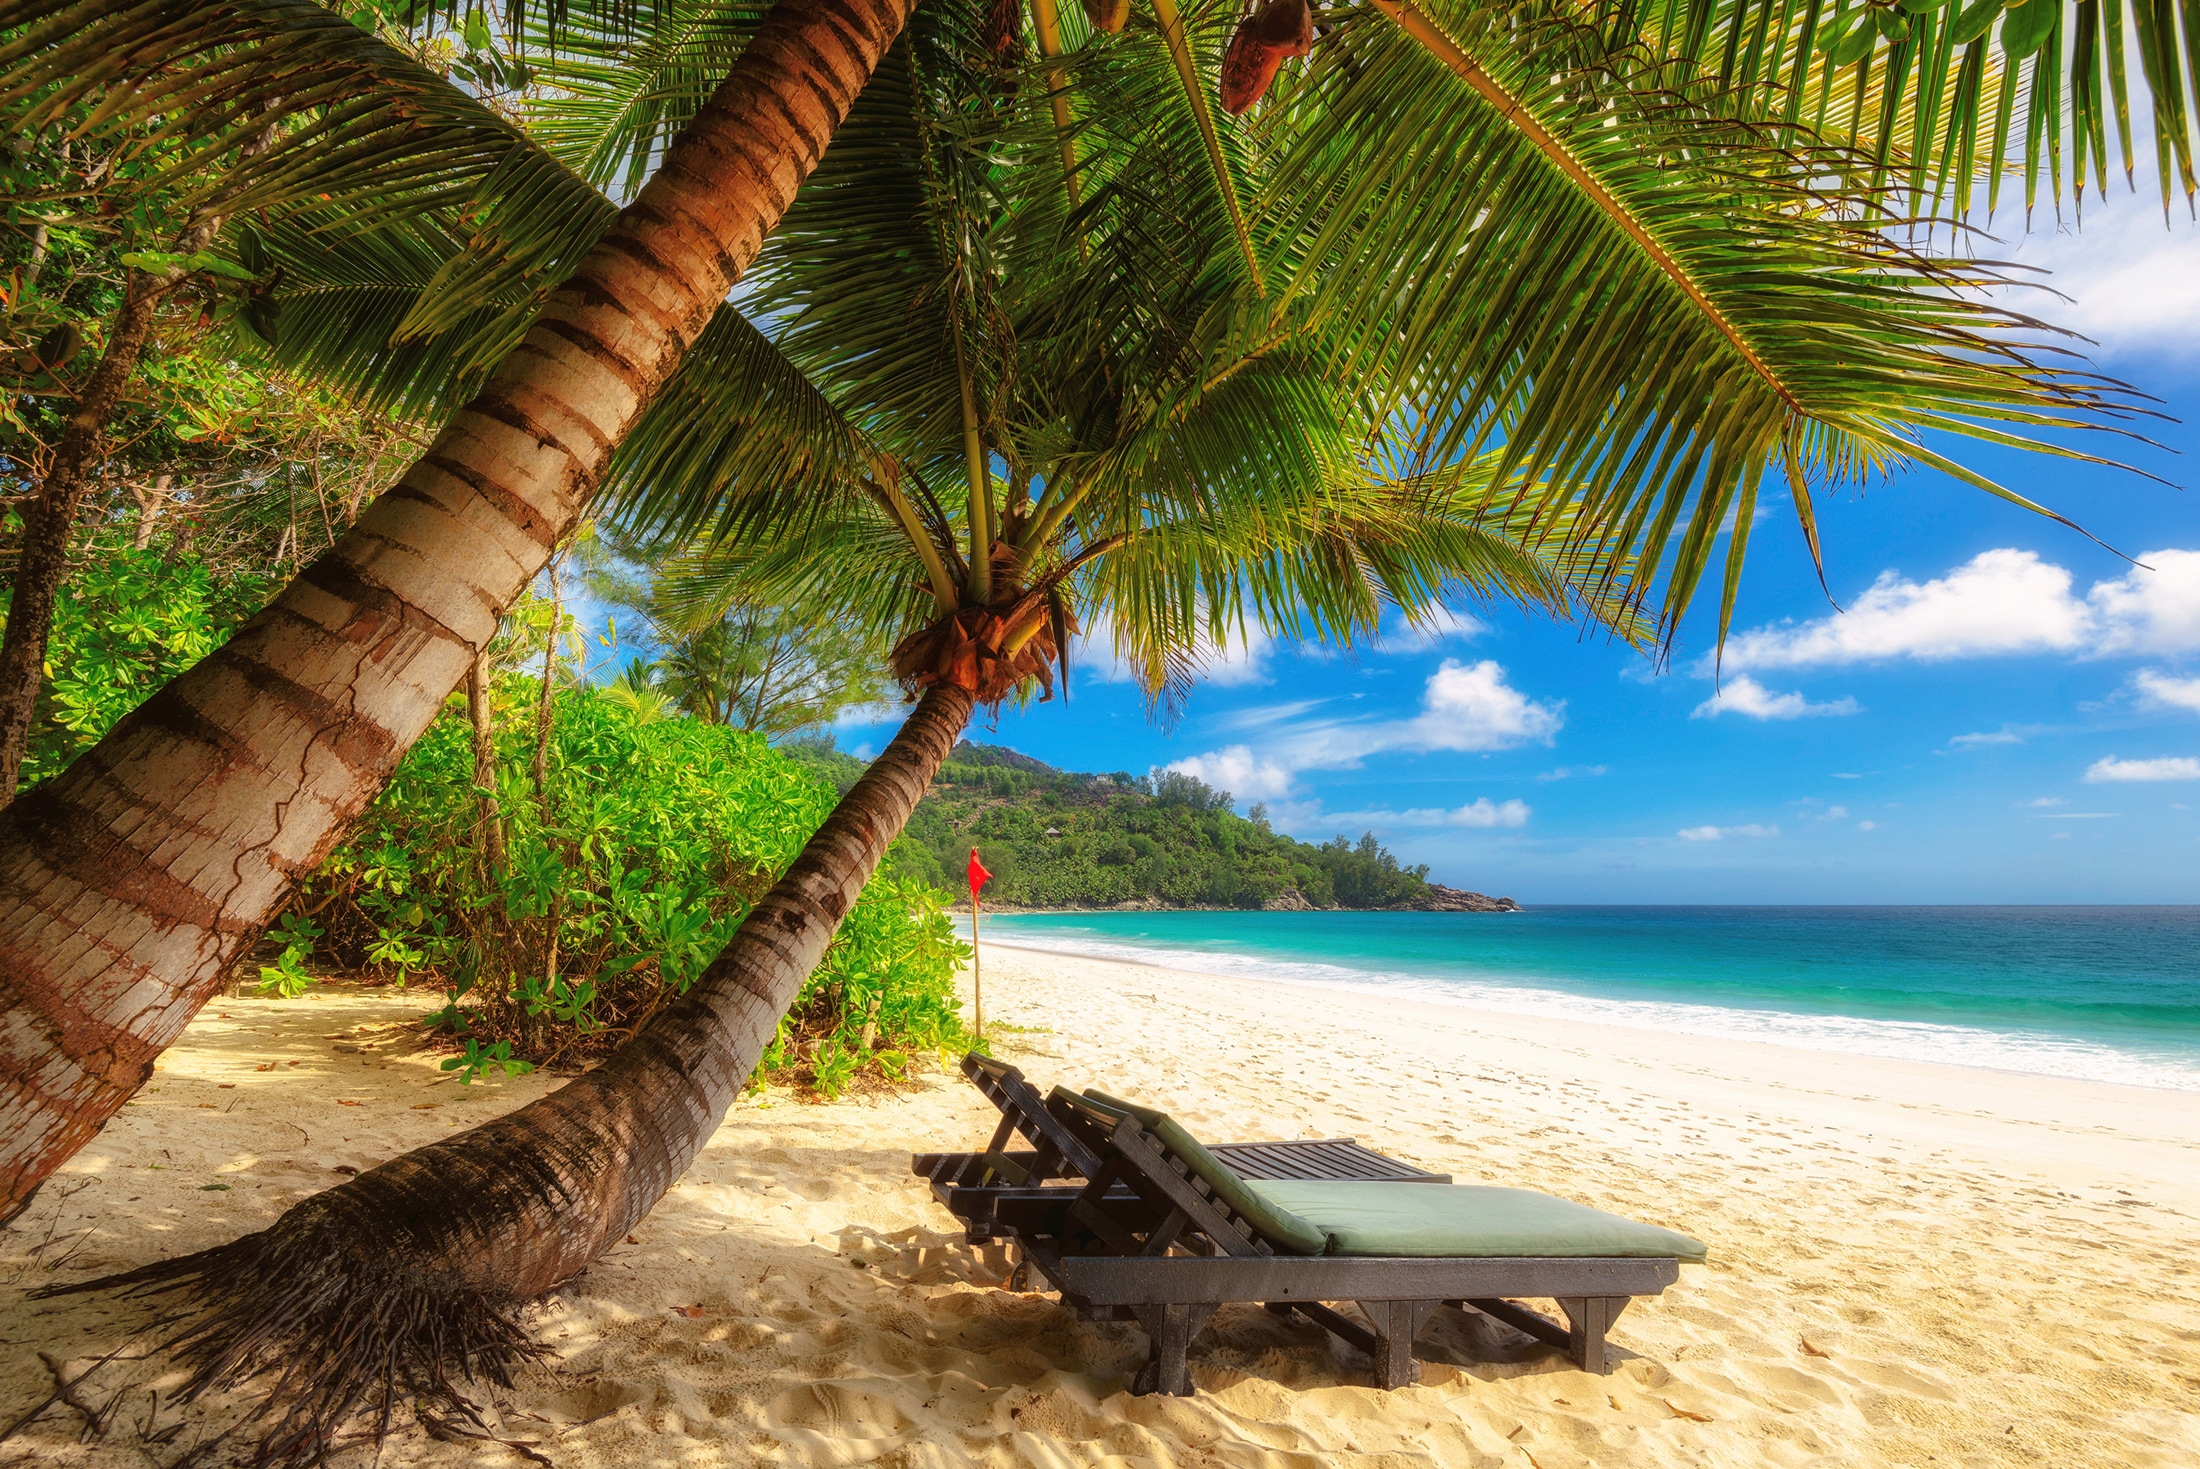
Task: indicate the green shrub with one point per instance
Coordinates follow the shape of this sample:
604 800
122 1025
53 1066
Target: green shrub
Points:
621 881
130 620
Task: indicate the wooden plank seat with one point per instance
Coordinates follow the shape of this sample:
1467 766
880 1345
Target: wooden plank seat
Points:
1163 1231
973 1185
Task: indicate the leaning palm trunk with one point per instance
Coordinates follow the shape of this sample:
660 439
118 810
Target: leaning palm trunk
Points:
131 883
383 1288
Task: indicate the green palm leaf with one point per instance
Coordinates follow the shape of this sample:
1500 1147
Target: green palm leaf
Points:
352 122
1648 306
1936 98
616 87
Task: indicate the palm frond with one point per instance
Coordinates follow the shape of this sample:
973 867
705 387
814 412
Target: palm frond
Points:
348 121
613 90
1170 21
344 293
739 444
1646 305
1936 100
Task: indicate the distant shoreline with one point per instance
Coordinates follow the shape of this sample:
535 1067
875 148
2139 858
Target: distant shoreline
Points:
2002 989
962 905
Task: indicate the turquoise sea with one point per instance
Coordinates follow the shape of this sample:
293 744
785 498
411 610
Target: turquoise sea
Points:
2097 994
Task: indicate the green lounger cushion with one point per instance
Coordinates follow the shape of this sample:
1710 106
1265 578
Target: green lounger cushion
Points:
1283 1229
1459 1220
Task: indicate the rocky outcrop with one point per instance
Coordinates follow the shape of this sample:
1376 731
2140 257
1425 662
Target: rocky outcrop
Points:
1441 899
1290 900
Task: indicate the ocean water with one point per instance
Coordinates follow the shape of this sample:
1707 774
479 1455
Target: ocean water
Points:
2094 994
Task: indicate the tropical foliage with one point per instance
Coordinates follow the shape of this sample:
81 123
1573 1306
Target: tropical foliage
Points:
131 620
622 877
774 669
1636 252
1521 302
1524 302
226 478
1940 101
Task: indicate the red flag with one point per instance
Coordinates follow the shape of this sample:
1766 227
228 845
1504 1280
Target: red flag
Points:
978 875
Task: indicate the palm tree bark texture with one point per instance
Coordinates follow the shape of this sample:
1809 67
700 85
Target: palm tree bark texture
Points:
405 1273
133 881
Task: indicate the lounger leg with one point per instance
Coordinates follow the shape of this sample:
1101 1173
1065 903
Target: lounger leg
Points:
1170 1329
1396 1324
1590 1317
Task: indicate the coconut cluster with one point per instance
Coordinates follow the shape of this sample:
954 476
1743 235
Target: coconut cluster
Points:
1277 31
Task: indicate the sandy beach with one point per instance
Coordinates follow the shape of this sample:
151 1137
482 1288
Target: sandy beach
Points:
1910 1264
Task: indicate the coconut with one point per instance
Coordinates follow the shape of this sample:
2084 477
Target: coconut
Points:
1279 29
1108 15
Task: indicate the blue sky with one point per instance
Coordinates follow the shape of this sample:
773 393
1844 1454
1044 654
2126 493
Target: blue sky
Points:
2006 712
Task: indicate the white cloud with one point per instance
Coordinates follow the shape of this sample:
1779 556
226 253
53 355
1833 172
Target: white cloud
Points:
1744 695
2043 802
1264 716
1244 661
1999 602
1568 772
1239 771
2153 608
2176 693
1440 626
1867 826
1996 737
1482 812
1471 707
1835 813
1720 833
2131 281
2004 601
1465 707
2169 767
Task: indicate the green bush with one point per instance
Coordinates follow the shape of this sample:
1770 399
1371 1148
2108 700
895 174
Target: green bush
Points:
130 620
621 881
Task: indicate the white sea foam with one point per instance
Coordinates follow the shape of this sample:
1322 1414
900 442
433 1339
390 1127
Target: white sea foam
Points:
2029 1053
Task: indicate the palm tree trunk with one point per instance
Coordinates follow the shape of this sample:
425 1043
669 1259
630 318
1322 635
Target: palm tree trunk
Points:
411 1267
129 884
49 522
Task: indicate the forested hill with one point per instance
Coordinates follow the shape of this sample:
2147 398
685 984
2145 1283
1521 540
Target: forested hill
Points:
1058 839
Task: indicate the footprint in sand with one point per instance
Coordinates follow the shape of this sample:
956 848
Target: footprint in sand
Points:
838 1422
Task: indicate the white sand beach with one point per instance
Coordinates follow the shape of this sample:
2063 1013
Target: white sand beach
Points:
1910 1264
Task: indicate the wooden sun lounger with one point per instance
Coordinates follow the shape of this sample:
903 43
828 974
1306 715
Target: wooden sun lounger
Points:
975 1187
1146 1238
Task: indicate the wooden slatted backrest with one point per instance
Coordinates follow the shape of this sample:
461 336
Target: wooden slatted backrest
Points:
1061 1152
1151 1169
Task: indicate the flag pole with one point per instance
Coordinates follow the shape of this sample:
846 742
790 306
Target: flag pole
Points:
978 877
